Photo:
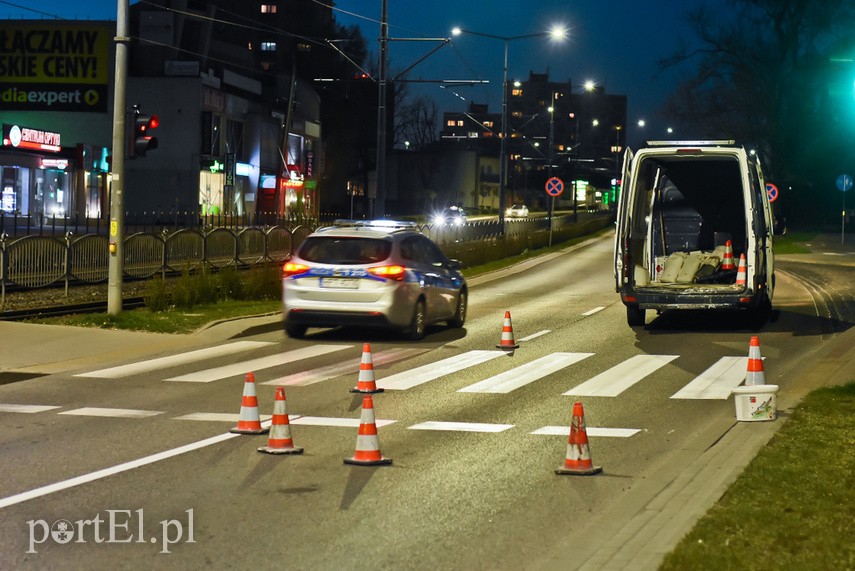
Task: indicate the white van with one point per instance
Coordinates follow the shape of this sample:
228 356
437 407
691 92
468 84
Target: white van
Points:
686 209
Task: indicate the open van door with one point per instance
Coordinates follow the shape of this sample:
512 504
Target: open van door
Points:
622 216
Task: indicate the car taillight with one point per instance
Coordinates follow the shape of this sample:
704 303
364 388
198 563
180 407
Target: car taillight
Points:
292 269
389 272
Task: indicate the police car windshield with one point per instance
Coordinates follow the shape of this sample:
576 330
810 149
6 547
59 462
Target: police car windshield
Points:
338 250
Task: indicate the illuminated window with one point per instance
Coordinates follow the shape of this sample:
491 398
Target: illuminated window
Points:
517 92
473 134
450 123
487 134
488 123
517 114
460 122
268 8
268 46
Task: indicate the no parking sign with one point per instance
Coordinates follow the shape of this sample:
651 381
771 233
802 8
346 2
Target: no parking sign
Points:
771 191
554 186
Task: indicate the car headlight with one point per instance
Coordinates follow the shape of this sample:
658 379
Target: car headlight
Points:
439 220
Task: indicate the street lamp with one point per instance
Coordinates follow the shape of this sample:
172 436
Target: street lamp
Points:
556 33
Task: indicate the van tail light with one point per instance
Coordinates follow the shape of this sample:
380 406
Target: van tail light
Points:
291 269
396 273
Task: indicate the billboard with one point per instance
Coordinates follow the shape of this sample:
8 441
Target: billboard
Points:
47 66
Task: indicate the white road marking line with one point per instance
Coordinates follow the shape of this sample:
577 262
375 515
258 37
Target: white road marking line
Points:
590 431
429 372
525 374
345 367
26 408
173 360
219 417
717 381
461 426
536 335
337 422
593 311
112 412
613 382
235 369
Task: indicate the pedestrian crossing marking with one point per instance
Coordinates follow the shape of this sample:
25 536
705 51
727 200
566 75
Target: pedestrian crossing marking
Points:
112 412
305 378
429 372
526 373
717 381
535 335
590 431
461 426
613 382
173 360
235 369
26 408
336 422
219 417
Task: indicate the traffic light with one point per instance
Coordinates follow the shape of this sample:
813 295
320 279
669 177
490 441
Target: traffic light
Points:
143 140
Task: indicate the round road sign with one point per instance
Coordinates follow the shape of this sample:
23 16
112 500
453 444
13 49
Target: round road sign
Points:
844 182
554 186
771 191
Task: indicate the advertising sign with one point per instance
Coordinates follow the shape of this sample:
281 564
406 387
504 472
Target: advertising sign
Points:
46 66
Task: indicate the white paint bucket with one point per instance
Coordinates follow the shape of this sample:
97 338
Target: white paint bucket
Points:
756 402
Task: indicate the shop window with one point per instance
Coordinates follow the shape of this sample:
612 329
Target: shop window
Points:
268 46
268 8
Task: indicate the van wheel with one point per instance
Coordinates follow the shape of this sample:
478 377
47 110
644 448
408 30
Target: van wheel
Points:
416 330
295 331
635 316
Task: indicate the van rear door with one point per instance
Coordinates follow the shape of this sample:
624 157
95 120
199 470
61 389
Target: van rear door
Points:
624 201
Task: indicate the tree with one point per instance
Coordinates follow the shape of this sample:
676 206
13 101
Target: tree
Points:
761 77
416 123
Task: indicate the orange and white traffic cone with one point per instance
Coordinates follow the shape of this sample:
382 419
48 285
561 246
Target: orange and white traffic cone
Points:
578 460
740 273
365 383
755 374
367 444
507 341
249 422
727 262
280 441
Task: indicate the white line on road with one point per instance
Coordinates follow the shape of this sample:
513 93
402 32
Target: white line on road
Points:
26 408
536 335
593 311
345 367
337 422
461 426
235 369
717 381
613 382
420 375
173 360
218 417
590 431
525 374
112 412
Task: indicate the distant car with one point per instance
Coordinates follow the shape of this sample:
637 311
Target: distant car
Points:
517 211
451 216
372 273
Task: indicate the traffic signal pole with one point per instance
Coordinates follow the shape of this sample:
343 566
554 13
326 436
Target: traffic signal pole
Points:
117 175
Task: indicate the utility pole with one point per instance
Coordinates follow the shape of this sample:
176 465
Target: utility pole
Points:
551 159
380 193
117 184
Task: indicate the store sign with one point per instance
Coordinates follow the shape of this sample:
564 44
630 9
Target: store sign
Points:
34 139
46 66
59 164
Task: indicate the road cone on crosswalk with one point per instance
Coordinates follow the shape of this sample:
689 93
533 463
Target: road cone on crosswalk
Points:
280 441
507 342
578 459
249 422
367 443
727 262
755 374
365 383
740 273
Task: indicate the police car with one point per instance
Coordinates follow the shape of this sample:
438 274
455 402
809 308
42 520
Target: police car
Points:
371 273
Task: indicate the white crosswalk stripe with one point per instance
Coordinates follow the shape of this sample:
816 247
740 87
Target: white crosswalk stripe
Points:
432 371
305 378
461 426
613 382
590 431
252 365
526 373
174 360
717 381
112 412
26 408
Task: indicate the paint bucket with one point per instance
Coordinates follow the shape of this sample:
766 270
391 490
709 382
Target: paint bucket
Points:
756 402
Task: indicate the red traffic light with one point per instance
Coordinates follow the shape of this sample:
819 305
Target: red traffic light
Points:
143 141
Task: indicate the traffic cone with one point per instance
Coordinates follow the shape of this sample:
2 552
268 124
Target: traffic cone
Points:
740 273
366 383
280 441
507 342
367 444
249 421
755 375
578 461
727 262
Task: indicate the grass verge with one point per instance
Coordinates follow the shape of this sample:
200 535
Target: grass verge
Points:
793 243
794 506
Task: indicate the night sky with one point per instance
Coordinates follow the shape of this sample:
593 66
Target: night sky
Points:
616 44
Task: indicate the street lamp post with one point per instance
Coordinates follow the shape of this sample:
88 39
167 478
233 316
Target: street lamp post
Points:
556 33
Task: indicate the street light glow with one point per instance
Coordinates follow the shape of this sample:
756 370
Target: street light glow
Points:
589 85
642 122
456 31
558 32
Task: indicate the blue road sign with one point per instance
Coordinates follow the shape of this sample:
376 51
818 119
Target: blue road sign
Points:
844 182
554 186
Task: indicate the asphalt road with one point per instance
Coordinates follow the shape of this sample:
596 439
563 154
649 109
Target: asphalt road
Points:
475 492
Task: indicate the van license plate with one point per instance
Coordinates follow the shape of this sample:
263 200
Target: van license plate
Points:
340 283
